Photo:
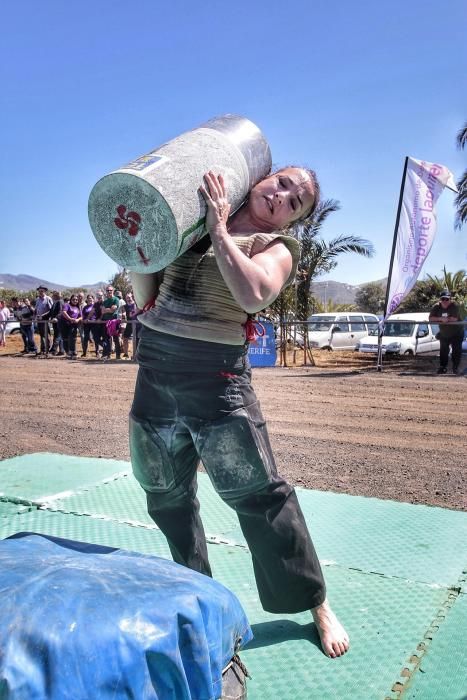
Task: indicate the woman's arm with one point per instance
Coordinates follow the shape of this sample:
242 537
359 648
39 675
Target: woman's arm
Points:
254 282
145 286
66 316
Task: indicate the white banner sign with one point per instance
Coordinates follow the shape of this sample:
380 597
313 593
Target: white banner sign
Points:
423 184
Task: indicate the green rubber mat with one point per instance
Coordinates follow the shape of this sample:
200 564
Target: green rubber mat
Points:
385 619
442 673
85 529
393 573
9 509
415 542
123 500
41 476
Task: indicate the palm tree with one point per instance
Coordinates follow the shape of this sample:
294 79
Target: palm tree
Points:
318 256
461 198
456 282
332 307
426 292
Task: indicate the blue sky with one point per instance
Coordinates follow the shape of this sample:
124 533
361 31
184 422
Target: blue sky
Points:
348 88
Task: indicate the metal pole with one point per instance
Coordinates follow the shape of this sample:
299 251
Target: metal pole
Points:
379 365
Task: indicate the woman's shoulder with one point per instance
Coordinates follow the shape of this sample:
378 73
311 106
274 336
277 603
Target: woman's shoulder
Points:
257 242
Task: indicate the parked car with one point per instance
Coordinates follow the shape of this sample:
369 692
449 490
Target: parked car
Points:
12 326
339 331
404 334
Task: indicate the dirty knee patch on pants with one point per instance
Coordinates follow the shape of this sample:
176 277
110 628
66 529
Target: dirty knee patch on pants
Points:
149 449
236 453
163 454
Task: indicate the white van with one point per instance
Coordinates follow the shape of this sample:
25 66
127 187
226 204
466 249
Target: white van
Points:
339 331
404 334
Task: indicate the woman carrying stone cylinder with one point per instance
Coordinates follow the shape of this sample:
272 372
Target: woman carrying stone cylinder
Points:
193 398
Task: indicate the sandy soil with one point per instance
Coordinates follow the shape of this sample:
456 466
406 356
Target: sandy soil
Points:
339 426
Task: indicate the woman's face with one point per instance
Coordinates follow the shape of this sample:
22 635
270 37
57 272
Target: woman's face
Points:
281 199
74 301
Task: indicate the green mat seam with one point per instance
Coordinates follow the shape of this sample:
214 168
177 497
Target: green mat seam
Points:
19 502
46 500
212 539
408 672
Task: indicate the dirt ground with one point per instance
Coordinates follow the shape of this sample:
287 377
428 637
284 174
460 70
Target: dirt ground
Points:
339 426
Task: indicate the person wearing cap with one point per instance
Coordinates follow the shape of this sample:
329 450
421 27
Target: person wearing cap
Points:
42 313
449 316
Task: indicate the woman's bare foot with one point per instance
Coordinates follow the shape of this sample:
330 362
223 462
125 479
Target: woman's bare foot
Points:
334 638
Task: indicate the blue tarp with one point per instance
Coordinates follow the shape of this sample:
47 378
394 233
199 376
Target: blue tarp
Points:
81 621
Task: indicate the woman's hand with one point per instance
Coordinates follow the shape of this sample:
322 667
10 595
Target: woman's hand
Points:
218 207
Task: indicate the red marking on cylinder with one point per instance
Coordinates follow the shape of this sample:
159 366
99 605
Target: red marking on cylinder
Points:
130 221
142 255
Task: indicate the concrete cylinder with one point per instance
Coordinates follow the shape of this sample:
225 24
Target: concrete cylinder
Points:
147 213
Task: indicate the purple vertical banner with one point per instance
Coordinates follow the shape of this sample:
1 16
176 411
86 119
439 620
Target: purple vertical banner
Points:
416 226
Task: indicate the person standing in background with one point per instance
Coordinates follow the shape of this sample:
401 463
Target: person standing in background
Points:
80 296
24 312
449 316
55 315
41 316
71 316
87 312
17 314
132 312
110 312
121 306
4 316
95 319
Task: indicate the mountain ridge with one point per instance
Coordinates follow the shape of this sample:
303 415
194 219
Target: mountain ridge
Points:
340 292
327 290
24 283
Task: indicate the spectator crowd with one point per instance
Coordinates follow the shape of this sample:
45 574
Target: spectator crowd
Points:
105 323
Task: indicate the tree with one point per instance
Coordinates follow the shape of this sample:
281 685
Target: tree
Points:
121 281
461 198
6 294
427 292
331 307
370 297
74 290
318 256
